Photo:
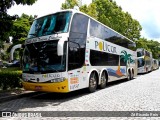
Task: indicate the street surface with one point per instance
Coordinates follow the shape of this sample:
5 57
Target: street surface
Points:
140 94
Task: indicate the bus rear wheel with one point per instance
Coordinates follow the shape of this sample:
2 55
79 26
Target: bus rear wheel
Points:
92 82
132 75
129 75
103 80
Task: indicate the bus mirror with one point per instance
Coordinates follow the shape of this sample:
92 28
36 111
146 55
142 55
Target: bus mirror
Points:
60 48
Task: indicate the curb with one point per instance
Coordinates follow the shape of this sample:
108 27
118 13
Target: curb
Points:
13 97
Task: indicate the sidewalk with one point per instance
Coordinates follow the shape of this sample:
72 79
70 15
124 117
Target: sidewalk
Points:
14 94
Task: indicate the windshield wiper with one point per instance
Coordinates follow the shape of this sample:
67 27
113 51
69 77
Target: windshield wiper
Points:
56 32
33 34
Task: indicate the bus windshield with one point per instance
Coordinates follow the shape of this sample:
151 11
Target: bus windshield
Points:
140 62
140 53
42 57
51 24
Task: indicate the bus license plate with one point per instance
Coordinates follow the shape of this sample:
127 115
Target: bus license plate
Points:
38 87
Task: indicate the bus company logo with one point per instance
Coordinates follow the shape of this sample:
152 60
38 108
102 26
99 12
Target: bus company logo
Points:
27 76
105 47
44 76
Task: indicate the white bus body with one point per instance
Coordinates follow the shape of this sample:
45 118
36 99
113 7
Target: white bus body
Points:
144 60
75 52
155 64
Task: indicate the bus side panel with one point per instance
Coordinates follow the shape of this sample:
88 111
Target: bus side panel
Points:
77 79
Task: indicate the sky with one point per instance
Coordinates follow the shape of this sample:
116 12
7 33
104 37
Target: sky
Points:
144 11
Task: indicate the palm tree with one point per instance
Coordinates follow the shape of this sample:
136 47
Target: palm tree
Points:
118 72
126 57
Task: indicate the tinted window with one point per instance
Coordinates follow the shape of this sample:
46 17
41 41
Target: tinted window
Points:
42 57
147 62
100 31
140 62
140 53
98 58
77 41
51 24
79 24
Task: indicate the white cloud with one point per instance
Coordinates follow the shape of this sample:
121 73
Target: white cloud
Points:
40 8
86 2
147 13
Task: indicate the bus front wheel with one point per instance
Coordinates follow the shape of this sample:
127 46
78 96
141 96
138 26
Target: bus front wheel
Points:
93 82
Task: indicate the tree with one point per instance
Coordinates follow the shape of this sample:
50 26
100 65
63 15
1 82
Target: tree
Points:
154 47
21 27
69 4
142 43
150 45
90 10
110 14
19 31
6 21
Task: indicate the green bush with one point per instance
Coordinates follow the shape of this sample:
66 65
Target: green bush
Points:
10 79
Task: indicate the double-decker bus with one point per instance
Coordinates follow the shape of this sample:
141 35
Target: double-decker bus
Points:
69 50
155 64
144 60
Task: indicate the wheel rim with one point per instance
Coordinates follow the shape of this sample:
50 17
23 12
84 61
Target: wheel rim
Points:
93 81
132 75
128 76
103 79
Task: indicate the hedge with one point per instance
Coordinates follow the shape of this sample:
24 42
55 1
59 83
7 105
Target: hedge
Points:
10 79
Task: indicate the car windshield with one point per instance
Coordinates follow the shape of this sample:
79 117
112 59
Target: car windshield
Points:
42 57
51 24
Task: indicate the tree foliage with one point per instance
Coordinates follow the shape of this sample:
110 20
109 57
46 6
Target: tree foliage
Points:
6 4
110 14
21 27
20 30
150 45
6 21
69 4
90 10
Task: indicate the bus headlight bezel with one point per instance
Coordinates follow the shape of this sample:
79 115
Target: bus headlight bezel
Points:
58 80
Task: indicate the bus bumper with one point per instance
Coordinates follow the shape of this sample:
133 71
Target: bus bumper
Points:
61 87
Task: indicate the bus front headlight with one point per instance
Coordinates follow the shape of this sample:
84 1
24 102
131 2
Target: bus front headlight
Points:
58 80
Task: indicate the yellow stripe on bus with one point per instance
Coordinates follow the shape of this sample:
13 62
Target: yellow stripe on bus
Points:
48 87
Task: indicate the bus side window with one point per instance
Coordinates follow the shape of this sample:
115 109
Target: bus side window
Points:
77 41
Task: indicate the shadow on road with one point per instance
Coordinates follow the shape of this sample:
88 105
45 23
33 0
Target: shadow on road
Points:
42 99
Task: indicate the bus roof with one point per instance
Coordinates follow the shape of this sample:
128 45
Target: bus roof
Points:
76 11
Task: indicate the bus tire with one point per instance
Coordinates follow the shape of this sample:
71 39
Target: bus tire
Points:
132 75
92 82
129 75
103 80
